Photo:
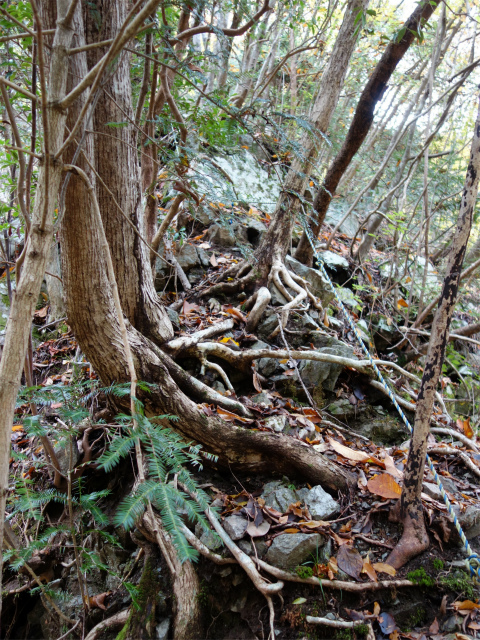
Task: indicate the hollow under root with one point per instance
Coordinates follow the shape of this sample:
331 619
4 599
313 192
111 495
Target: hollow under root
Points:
237 285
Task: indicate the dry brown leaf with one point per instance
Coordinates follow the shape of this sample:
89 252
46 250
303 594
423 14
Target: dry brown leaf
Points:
189 308
369 570
256 382
383 567
390 466
236 313
474 625
434 627
256 532
213 260
376 608
291 530
385 486
229 416
98 600
350 561
465 605
333 564
313 524
351 454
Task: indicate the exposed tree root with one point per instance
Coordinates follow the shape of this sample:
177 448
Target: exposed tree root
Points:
114 622
446 451
185 583
337 624
260 301
414 539
229 288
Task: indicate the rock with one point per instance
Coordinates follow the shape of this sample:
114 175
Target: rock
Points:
246 546
413 279
279 497
318 286
208 537
221 235
324 374
265 366
384 430
432 490
452 624
187 257
335 213
470 521
203 258
342 408
262 399
278 299
255 231
162 629
174 317
267 325
235 525
308 322
321 504
219 386
277 423
289 550
333 260
347 296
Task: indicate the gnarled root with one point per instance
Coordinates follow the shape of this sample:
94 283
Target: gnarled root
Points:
278 268
414 539
260 301
185 583
240 283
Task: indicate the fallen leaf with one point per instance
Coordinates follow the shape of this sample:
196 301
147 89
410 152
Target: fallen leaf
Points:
394 635
350 561
291 530
17 427
236 313
98 600
313 524
387 623
465 605
189 308
228 341
383 567
213 260
474 625
390 466
229 416
333 564
299 601
369 570
376 608
434 627
257 531
351 454
402 303
256 382
385 486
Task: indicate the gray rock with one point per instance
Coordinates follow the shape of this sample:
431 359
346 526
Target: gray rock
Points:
289 550
174 317
324 374
203 258
162 629
283 497
308 322
318 285
470 521
235 525
347 296
384 430
451 624
187 257
267 326
321 504
342 408
432 490
221 235
333 260
208 537
278 299
263 399
265 366
246 546
277 423
335 213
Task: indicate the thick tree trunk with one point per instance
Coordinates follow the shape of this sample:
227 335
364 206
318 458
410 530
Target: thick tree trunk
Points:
278 237
118 184
362 121
415 538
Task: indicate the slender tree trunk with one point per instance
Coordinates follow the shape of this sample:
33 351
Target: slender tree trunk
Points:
415 539
277 239
362 121
36 252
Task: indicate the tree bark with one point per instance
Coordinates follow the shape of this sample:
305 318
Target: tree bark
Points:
415 539
277 240
37 252
362 121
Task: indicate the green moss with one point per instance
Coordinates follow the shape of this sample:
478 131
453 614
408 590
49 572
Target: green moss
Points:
361 630
343 634
141 621
459 582
304 572
438 564
417 618
421 577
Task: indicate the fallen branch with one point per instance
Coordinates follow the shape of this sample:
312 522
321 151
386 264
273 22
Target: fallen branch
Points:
447 451
114 622
457 435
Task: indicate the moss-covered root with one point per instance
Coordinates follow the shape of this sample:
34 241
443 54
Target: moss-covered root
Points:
141 621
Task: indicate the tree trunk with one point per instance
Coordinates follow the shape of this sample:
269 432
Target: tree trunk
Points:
278 237
415 538
362 121
37 252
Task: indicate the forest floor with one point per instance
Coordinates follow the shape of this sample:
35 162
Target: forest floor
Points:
349 421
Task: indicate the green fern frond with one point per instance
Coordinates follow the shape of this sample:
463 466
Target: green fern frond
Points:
132 507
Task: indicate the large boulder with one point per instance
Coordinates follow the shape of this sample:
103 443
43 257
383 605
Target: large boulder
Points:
318 375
